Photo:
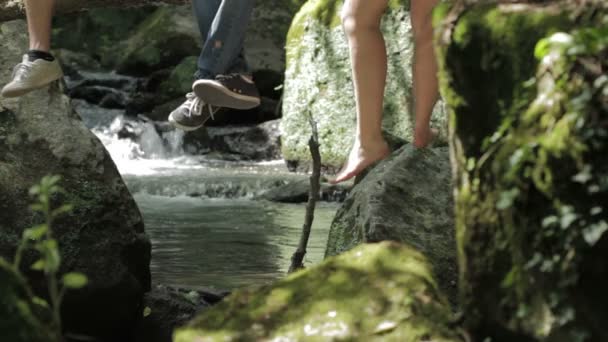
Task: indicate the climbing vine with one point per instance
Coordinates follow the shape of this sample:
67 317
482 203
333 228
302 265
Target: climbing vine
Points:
551 163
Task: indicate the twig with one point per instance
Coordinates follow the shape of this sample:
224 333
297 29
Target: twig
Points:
313 196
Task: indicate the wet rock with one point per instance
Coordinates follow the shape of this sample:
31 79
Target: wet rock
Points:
164 39
103 96
72 61
167 308
297 192
103 237
161 112
381 292
406 198
261 142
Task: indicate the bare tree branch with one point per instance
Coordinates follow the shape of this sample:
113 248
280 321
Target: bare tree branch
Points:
14 9
297 260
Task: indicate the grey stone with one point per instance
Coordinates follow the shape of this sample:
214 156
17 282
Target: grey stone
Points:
297 192
406 198
260 142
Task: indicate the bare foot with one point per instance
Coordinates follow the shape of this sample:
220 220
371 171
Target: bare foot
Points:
360 158
425 137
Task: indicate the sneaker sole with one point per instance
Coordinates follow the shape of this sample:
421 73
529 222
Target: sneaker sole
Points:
182 127
216 95
23 91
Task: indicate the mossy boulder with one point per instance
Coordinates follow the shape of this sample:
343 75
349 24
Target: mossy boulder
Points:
379 292
319 83
96 32
163 40
103 237
179 82
405 198
18 313
530 150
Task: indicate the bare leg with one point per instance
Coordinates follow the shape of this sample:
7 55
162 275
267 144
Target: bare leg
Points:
39 17
361 20
426 88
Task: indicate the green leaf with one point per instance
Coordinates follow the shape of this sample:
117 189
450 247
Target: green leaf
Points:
35 233
542 49
38 265
147 311
35 190
550 221
567 219
507 198
75 280
40 302
62 210
594 233
584 176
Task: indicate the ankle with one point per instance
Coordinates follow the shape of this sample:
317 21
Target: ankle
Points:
38 54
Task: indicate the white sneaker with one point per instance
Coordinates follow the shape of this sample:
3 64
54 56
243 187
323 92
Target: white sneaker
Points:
28 76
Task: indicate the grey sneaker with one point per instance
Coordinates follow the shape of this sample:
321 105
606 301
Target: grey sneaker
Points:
192 114
230 91
28 76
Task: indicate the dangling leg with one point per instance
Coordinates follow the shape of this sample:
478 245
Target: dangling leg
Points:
361 20
426 88
38 67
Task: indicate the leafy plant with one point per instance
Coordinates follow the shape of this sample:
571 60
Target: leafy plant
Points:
40 238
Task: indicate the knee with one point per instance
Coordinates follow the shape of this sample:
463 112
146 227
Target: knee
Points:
354 22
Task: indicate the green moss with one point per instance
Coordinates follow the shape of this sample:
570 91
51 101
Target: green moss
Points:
382 292
528 146
180 79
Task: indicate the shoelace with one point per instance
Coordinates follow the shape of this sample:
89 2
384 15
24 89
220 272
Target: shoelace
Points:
227 77
21 69
195 106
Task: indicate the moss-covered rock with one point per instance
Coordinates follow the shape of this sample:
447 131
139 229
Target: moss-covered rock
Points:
405 198
530 150
381 292
18 318
162 40
97 31
318 81
180 79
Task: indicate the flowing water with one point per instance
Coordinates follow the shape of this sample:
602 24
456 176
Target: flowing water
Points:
207 228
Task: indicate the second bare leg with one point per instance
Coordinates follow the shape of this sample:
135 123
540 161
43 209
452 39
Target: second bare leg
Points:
426 88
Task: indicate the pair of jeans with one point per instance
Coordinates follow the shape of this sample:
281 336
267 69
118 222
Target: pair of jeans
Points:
223 24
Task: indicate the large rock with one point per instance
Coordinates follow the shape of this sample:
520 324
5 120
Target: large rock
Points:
530 151
260 142
382 292
405 198
103 237
318 81
19 321
163 40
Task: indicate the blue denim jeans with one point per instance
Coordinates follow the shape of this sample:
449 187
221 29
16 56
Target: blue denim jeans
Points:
223 24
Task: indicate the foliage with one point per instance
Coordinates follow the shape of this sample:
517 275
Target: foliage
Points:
552 158
40 238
